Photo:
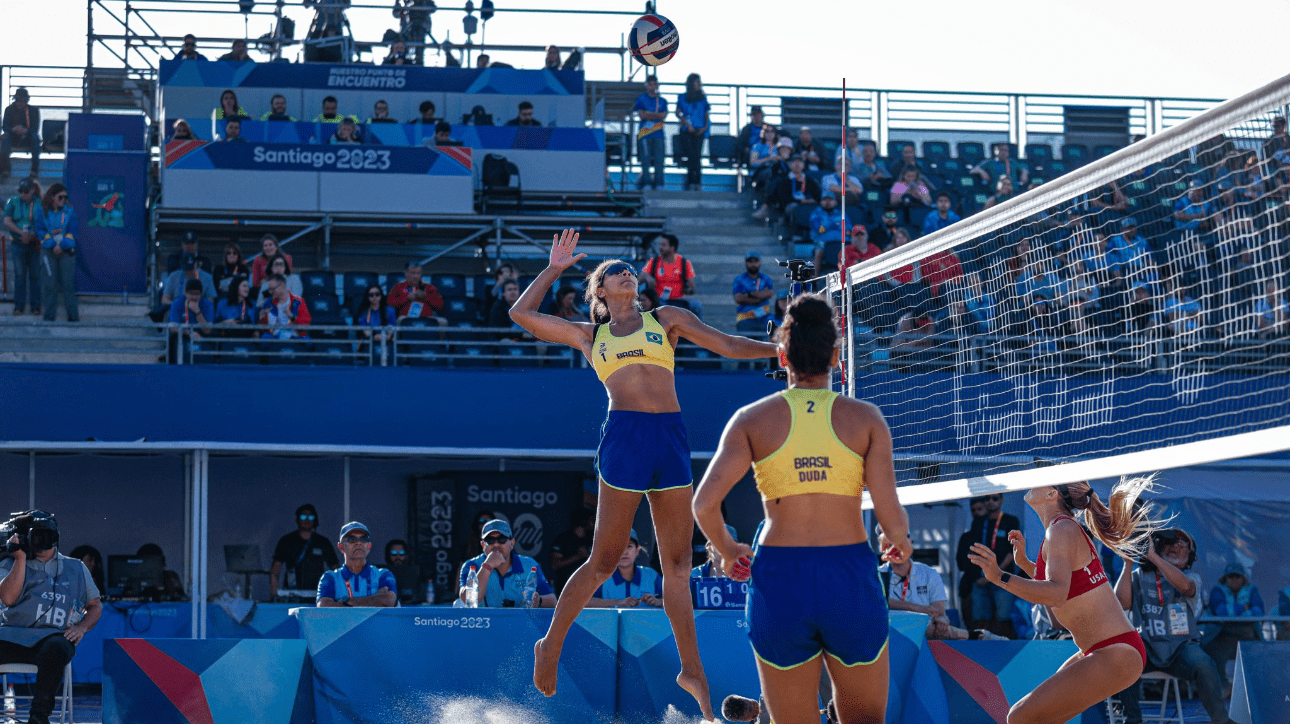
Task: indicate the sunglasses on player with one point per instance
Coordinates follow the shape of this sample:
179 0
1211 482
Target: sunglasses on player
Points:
616 269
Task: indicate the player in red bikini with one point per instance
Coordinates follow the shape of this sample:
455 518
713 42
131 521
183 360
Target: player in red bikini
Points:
1068 578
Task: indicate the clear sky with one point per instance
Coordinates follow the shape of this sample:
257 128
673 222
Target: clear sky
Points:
1186 48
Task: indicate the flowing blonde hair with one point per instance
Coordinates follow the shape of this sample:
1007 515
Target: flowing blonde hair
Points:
1125 522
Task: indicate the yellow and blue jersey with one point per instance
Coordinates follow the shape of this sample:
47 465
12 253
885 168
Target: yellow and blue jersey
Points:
812 458
648 345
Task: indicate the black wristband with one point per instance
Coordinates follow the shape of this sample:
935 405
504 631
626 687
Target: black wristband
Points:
1004 578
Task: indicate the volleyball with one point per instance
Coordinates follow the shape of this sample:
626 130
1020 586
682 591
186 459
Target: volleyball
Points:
653 39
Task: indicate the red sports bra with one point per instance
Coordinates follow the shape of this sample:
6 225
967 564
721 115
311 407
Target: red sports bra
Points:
1083 579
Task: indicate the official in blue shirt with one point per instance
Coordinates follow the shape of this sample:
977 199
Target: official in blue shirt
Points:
630 585
502 572
753 291
357 583
56 228
652 110
692 109
1128 247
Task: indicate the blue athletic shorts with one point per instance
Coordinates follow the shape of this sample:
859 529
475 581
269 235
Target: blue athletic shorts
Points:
804 601
644 451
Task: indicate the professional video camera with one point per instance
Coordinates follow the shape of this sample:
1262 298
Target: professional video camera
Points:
414 25
37 532
1162 539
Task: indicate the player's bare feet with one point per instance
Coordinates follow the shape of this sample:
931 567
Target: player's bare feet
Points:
697 685
546 668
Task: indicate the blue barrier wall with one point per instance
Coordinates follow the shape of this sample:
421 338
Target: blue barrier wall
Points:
563 408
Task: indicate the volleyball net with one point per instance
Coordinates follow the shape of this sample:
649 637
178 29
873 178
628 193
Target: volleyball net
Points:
1127 317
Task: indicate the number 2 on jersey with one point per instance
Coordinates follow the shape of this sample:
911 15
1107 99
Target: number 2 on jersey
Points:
810 406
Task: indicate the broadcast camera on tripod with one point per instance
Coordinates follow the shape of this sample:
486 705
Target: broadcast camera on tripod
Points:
330 39
414 26
800 271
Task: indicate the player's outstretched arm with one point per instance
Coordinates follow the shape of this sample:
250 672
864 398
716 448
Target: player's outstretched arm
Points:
544 326
726 345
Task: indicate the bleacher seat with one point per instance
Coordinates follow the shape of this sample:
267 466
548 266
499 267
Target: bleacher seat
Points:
1104 150
318 282
936 151
1012 149
479 286
324 309
1056 168
678 158
966 184
974 201
561 356
723 151
53 135
389 280
693 357
496 177
420 343
1075 154
512 355
450 285
799 222
970 152
333 353
461 309
354 284
471 355
947 167
617 149
239 352
830 261
893 148
1039 153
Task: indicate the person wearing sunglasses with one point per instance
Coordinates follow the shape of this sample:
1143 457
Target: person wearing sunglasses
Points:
992 605
358 582
633 355
56 228
502 572
303 553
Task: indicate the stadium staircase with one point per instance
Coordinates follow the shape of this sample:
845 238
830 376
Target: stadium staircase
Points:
716 232
112 330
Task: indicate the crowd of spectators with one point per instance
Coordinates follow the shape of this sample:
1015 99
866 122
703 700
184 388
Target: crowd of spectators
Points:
1190 248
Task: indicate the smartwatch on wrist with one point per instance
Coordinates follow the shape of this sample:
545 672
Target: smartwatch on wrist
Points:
1003 580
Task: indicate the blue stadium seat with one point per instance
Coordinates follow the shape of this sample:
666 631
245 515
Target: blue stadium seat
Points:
318 282
970 152
450 285
239 352
693 357
1075 154
512 355
1012 148
480 284
561 356
974 201
420 343
389 280
1056 168
936 151
333 353
355 283
617 149
324 309
832 249
967 184
947 167
461 309
893 148
472 356
1104 150
723 151
1039 153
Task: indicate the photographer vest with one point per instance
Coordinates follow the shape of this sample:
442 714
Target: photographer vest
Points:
54 596
1163 616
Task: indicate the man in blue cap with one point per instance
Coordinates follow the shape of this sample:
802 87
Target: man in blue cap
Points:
753 292
630 585
502 572
357 583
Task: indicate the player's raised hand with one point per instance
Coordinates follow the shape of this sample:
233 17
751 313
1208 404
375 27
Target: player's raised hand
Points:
563 248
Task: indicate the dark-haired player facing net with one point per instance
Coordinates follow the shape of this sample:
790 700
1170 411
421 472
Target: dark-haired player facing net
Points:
643 447
1069 579
815 579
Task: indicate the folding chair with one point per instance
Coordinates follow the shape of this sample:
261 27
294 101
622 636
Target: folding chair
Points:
62 701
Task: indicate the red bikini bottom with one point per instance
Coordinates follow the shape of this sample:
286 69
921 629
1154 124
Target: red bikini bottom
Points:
1131 638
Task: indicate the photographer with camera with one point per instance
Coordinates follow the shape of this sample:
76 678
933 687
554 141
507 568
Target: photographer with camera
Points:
1163 599
50 602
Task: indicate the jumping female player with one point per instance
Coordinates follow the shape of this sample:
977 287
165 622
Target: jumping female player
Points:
1068 578
643 447
815 587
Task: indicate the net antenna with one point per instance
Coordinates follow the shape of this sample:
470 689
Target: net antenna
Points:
1128 317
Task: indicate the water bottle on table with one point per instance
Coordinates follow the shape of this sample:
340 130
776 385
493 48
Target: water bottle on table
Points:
472 588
